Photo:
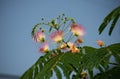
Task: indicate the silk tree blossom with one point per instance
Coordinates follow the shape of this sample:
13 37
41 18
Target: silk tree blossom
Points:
100 43
39 36
57 36
44 48
73 48
77 29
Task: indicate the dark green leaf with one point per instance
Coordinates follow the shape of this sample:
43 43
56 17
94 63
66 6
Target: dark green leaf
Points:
48 75
65 70
113 24
48 66
114 49
113 73
94 57
35 72
58 73
90 73
114 15
28 74
70 59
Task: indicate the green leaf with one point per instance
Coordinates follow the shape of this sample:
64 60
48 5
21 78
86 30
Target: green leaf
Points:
100 69
114 15
65 70
48 75
114 49
117 58
90 73
48 66
70 59
113 24
94 57
35 71
58 73
87 59
113 73
107 19
28 74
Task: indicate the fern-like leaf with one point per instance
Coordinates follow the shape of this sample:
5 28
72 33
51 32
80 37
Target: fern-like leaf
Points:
112 73
114 15
58 72
94 57
48 67
65 70
114 49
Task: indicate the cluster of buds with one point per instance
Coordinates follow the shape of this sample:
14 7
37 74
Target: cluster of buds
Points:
59 29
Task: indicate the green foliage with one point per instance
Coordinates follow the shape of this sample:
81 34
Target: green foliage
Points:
66 63
72 65
113 73
111 17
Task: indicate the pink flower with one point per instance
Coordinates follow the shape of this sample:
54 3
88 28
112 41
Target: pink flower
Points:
77 29
100 43
57 36
44 48
39 36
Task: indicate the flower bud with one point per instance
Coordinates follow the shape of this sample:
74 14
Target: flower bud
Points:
79 40
100 43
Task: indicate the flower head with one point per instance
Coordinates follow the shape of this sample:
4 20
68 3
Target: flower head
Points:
100 43
44 48
57 36
39 36
77 29
73 48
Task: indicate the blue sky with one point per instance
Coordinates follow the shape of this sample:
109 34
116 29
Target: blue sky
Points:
17 17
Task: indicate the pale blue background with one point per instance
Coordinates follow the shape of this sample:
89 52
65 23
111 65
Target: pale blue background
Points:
17 17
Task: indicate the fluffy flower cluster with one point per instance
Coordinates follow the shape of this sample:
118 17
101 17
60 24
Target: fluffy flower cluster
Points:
77 29
58 36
